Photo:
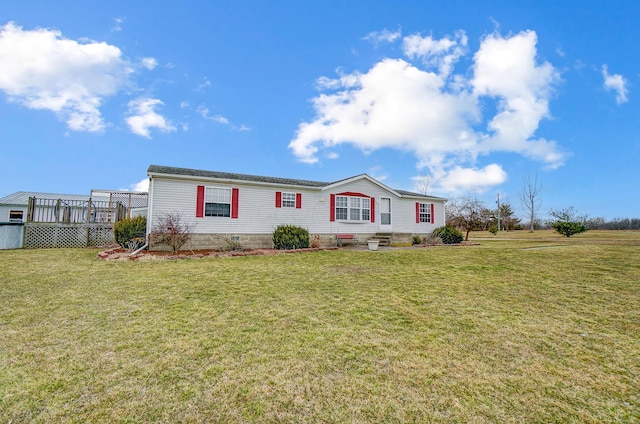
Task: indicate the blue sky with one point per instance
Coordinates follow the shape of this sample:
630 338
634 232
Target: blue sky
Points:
469 97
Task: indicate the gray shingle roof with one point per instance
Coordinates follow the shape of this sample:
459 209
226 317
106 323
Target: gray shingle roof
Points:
232 176
169 170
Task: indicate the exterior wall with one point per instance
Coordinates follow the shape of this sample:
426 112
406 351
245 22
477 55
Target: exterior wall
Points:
11 236
5 209
258 215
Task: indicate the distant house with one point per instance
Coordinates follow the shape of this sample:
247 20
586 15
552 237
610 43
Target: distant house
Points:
225 206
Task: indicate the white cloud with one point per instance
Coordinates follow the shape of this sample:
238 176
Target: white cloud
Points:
204 84
142 185
617 83
204 112
117 26
143 117
149 62
459 179
384 36
378 173
506 69
426 109
41 69
441 54
393 105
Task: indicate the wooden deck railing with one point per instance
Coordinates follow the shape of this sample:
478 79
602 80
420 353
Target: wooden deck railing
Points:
74 211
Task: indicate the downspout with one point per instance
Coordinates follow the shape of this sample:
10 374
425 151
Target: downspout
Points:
144 246
149 215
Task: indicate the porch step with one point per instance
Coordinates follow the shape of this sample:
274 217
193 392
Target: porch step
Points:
383 238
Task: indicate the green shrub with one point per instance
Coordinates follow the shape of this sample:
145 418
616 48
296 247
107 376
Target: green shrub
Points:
290 237
448 234
568 221
416 239
493 230
568 228
130 232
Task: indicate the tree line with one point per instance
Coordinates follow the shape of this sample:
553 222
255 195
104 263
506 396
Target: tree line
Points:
470 214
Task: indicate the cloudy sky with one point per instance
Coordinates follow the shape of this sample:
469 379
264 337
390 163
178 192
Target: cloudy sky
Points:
460 97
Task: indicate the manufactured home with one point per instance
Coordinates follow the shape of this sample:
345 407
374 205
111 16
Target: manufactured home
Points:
246 209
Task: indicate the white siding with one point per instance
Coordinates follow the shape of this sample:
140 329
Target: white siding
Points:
257 212
4 212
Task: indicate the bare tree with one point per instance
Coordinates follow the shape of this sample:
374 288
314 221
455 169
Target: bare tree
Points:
172 231
529 198
422 184
465 213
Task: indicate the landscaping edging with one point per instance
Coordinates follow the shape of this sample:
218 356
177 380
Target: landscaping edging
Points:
122 254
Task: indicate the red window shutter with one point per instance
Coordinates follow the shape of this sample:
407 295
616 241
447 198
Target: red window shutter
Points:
200 202
432 218
278 199
332 206
417 212
298 200
373 209
234 203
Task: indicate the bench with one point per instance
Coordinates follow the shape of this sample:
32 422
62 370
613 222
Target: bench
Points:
342 237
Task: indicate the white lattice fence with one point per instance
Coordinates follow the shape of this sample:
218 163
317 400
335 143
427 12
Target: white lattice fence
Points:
67 236
100 236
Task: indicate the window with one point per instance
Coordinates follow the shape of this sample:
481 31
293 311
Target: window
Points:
353 208
385 211
217 202
16 216
288 200
425 212
341 208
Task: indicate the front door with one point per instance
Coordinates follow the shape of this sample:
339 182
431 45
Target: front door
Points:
385 213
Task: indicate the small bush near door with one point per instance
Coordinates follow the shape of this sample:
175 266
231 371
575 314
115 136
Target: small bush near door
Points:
289 237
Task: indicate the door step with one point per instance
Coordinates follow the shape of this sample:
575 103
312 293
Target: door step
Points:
384 239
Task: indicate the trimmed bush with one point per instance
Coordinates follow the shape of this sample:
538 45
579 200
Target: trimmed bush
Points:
130 231
448 234
289 237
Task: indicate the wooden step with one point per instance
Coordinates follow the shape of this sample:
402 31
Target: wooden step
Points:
383 238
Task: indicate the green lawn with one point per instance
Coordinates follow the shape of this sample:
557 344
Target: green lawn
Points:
515 329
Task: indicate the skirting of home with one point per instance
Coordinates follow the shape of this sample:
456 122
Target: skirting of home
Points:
265 241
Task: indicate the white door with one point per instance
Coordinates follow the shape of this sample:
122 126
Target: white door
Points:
385 213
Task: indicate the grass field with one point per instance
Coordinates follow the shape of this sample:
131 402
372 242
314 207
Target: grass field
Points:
518 328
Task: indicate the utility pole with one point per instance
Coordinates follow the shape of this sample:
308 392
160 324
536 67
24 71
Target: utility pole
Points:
498 202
